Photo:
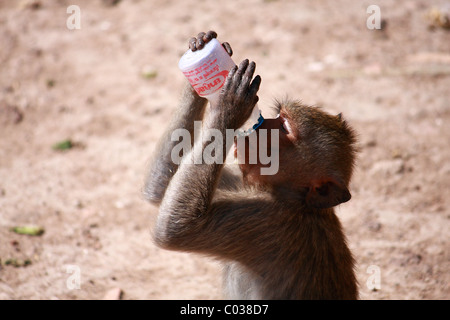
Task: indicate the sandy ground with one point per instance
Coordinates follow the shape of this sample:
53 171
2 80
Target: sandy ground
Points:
112 86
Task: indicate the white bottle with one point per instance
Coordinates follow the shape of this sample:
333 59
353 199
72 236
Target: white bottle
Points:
207 69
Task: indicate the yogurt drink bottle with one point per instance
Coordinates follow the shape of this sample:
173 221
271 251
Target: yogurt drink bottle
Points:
207 70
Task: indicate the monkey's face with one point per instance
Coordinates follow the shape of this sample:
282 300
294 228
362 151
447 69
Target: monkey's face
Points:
272 145
315 152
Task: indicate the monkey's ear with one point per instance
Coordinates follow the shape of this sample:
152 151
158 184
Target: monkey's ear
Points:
326 193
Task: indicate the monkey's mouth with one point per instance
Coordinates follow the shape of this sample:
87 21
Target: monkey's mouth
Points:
237 160
245 134
235 145
243 146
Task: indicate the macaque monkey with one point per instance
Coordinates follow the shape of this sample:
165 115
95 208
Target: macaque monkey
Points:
278 235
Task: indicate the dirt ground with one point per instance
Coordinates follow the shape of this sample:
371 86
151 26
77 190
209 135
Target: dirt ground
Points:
112 86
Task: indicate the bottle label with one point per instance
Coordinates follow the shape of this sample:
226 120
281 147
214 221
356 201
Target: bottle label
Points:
207 78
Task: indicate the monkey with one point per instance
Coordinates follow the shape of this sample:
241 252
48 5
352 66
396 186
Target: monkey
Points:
277 235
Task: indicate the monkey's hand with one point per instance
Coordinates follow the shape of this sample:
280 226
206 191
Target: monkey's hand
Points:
238 96
197 43
191 109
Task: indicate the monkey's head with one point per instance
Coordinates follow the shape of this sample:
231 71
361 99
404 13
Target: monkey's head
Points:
316 155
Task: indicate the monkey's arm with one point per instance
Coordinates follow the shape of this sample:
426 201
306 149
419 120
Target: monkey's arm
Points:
162 169
193 216
191 109
188 220
232 225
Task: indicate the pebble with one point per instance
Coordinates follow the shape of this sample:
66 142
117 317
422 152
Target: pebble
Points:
388 167
113 294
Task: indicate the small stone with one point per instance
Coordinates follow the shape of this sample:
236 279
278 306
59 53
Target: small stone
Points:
78 204
10 114
113 294
110 3
374 226
388 167
32 4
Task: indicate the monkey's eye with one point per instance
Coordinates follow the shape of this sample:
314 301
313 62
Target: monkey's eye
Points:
284 126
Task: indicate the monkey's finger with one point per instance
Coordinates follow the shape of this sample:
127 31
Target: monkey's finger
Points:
209 35
229 80
192 44
200 41
248 75
237 78
254 87
227 48
247 78
200 44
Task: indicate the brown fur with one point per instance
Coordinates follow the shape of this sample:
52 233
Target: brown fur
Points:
278 235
